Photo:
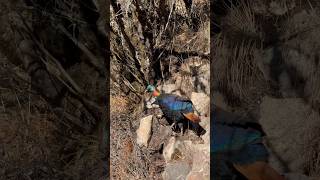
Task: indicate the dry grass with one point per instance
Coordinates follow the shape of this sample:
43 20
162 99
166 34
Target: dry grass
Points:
312 152
118 104
34 143
241 18
236 69
87 160
235 60
27 130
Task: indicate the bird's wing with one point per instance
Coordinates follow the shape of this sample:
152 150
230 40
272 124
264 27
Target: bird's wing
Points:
230 138
192 117
183 99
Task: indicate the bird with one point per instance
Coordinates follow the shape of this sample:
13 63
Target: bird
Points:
239 144
178 111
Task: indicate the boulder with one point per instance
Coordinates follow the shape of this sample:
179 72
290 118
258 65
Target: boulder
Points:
287 123
144 131
176 171
201 101
174 150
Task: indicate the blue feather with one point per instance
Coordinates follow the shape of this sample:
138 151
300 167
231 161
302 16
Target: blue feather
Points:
238 144
174 104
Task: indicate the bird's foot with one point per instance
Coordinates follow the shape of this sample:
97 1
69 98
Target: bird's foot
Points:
159 121
173 126
174 134
181 129
177 129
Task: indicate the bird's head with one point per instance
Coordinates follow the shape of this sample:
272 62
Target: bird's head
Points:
153 90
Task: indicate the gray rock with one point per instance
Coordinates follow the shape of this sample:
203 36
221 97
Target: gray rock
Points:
169 88
280 7
201 102
297 176
144 131
176 171
287 123
219 101
174 150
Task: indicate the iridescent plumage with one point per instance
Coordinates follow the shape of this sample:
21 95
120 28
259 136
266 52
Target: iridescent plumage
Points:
177 110
234 141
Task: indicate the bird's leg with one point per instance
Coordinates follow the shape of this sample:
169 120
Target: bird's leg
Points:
172 126
173 129
181 128
188 126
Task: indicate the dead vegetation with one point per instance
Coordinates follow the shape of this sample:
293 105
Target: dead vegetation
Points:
52 90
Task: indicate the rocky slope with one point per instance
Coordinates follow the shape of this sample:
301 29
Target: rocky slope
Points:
187 156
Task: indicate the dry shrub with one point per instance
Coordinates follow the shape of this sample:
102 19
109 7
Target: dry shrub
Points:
118 104
236 70
29 147
87 159
242 18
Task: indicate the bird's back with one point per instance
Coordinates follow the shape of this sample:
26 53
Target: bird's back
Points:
237 142
180 109
173 106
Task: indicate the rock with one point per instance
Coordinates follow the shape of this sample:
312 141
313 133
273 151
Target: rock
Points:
276 162
297 176
176 171
144 131
169 149
178 152
259 7
174 150
195 176
169 88
280 7
218 100
287 123
149 104
264 58
201 102
204 79
285 85
200 163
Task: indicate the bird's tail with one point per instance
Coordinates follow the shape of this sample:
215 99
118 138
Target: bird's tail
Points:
197 128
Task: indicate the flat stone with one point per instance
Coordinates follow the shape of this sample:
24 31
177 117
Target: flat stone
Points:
287 123
144 131
176 171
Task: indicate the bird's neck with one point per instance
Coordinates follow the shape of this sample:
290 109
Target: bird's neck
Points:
156 93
